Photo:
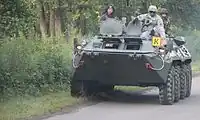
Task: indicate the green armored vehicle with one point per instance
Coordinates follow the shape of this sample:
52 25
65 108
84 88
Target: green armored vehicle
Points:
120 56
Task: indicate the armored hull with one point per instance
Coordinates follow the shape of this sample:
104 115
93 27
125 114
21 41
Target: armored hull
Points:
122 68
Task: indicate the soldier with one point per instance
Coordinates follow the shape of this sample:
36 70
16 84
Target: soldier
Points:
166 20
152 21
108 13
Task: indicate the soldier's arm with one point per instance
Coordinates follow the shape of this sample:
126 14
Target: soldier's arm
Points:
169 29
160 22
161 27
103 17
141 17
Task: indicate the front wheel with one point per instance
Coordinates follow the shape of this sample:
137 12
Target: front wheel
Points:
107 88
183 78
166 91
83 88
177 83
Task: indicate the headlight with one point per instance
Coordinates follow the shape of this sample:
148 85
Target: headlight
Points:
79 47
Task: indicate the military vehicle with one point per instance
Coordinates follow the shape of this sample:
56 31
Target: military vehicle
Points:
120 56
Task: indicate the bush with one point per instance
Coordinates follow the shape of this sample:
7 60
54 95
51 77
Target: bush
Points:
34 66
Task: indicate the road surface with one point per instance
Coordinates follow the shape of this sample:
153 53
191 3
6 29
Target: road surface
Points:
143 106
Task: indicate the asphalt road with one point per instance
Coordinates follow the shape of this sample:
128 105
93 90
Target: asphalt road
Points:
143 106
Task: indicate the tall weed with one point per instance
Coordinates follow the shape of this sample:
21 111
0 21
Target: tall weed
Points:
32 67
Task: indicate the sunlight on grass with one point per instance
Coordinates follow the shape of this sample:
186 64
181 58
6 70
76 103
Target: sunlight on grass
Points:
129 88
196 67
27 107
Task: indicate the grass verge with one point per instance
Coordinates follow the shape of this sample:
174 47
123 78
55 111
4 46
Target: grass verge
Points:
28 107
129 88
196 67
18 108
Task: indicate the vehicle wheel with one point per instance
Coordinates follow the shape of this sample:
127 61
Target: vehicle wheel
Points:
177 83
107 88
166 91
77 88
183 75
188 80
80 88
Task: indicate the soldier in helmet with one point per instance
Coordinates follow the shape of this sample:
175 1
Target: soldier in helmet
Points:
152 21
166 20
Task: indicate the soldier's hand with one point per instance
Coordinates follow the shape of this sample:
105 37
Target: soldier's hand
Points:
152 33
135 20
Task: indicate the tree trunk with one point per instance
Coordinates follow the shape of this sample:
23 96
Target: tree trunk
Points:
145 6
43 27
83 23
47 8
52 23
58 25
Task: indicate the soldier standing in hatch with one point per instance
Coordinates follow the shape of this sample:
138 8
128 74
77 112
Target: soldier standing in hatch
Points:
152 22
164 15
108 13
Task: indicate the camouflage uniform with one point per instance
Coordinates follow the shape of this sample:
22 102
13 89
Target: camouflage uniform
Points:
166 19
152 21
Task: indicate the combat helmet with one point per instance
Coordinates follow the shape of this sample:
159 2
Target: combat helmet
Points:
163 11
152 8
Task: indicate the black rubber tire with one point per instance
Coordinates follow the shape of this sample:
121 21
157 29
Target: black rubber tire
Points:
183 74
177 83
188 80
166 91
107 88
76 88
80 88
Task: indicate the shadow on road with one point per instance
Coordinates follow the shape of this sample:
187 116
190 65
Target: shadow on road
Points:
127 97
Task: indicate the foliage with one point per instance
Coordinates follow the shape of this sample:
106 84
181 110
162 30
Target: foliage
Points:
50 17
192 38
33 66
31 107
16 17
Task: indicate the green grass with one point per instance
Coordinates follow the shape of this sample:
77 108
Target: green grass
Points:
26 107
196 67
18 108
129 88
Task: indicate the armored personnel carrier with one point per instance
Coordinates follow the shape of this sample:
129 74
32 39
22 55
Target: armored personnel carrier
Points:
120 56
